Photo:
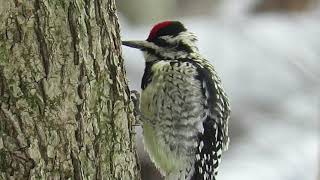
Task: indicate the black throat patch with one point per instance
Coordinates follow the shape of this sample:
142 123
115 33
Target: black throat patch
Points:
147 75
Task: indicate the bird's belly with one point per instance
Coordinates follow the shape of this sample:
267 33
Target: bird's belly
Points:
165 159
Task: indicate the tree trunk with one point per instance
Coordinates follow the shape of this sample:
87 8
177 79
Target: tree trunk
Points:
65 111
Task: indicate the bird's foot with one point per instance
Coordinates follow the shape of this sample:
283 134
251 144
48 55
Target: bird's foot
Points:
135 97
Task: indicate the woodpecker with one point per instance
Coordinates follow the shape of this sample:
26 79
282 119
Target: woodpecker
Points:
184 108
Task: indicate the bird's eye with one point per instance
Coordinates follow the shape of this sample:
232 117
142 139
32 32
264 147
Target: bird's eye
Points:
160 41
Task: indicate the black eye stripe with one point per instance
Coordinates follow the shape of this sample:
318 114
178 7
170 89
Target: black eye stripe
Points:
162 43
178 46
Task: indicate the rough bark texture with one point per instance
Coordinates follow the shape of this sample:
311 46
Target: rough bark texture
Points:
65 112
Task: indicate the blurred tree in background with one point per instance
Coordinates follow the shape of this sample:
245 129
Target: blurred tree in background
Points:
141 11
284 5
148 11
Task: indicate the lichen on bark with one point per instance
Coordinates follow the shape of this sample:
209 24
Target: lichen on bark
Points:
65 112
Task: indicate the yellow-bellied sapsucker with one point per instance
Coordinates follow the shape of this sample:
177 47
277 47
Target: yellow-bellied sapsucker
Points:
184 109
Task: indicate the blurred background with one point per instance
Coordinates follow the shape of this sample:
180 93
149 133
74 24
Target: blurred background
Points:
267 53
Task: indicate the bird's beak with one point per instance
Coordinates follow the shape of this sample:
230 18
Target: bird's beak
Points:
136 44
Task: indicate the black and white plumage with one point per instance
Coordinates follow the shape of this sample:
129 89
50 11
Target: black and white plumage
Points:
184 108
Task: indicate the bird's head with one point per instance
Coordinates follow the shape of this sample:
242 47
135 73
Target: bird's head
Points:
166 40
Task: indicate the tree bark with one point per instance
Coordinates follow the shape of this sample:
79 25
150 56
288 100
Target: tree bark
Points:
65 110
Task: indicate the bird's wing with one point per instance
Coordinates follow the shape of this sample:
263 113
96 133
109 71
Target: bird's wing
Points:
214 138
